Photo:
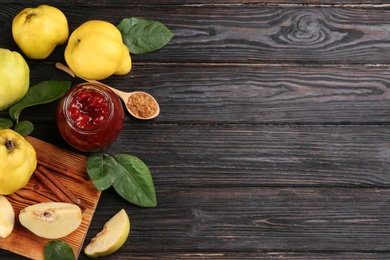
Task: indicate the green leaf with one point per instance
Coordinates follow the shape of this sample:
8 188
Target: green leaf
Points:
129 176
24 127
134 181
144 36
5 123
58 250
102 170
41 93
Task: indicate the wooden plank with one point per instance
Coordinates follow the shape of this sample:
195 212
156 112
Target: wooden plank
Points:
265 221
218 94
247 33
23 242
206 2
246 156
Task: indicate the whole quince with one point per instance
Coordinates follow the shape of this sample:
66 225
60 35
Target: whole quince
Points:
14 77
38 31
18 161
96 51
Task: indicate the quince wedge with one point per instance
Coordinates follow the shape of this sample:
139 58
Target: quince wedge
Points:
96 51
7 217
112 237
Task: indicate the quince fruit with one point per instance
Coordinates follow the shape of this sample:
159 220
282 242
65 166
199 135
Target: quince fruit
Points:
18 161
96 51
15 77
37 31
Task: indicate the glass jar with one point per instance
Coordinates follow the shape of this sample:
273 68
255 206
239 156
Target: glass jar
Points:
90 117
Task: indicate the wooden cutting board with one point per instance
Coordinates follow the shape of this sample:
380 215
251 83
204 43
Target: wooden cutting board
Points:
21 241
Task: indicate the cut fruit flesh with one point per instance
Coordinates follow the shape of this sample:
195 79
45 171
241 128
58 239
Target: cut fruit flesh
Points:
7 217
113 235
51 220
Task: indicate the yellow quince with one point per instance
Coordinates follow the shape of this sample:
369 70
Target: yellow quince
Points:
17 160
96 51
37 31
14 77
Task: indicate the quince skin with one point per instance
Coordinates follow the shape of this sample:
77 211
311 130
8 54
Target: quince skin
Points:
37 31
15 77
96 51
18 161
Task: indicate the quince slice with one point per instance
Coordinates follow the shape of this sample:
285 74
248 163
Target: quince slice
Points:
113 235
7 217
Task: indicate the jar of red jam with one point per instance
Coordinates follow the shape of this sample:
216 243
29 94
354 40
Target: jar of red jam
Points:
90 117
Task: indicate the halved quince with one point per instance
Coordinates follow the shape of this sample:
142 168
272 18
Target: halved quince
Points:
51 220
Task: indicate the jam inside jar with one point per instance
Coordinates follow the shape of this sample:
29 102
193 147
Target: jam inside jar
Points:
90 117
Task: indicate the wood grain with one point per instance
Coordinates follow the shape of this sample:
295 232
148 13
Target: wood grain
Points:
357 3
273 138
266 94
246 33
247 156
240 222
23 242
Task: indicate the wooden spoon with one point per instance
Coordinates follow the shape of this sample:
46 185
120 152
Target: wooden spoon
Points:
131 100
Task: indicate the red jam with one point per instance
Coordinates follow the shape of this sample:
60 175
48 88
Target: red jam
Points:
90 117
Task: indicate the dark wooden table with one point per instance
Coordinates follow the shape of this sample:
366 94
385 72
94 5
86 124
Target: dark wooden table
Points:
274 136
